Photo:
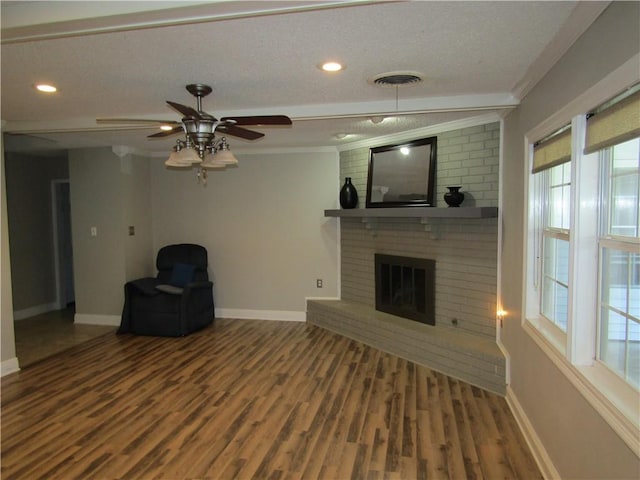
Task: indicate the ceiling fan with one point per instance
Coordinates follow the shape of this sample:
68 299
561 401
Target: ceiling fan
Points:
200 127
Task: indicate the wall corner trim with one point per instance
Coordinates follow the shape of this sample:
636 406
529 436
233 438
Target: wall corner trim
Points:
540 454
89 319
9 366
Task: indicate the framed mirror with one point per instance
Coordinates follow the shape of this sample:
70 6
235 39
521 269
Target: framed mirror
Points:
402 175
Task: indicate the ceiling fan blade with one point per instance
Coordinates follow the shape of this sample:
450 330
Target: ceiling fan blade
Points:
136 120
239 132
260 120
184 110
166 133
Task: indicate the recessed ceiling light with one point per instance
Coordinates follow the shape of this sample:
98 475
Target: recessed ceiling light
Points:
340 136
331 67
166 128
45 88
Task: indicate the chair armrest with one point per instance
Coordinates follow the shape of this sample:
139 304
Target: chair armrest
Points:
196 293
147 285
198 285
196 305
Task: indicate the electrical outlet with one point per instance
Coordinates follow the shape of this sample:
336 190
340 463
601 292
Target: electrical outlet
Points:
94 231
319 283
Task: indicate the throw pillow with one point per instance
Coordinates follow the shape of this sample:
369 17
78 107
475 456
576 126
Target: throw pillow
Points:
182 274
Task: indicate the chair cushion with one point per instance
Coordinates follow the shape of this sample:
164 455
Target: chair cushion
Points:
181 274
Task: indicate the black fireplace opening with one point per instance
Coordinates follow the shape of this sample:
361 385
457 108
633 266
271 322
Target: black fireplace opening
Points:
405 287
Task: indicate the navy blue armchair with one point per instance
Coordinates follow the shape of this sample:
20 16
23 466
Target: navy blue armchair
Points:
178 301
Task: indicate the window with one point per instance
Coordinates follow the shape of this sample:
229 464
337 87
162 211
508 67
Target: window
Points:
619 245
555 245
582 276
551 174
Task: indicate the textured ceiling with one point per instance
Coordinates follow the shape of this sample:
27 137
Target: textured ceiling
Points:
472 56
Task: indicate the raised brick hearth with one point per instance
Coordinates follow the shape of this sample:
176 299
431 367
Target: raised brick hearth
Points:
462 356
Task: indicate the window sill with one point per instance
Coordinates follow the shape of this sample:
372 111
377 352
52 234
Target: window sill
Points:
550 333
619 408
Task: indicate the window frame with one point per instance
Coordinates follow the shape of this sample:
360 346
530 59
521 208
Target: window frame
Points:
612 242
552 232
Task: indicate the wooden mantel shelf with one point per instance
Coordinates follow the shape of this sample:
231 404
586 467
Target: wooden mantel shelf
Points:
416 212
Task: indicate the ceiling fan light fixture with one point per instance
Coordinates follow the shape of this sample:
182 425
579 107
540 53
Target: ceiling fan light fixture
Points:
212 163
188 156
209 161
174 161
225 157
223 154
200 145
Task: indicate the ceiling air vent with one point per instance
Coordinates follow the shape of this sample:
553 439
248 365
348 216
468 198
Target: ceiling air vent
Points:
396 79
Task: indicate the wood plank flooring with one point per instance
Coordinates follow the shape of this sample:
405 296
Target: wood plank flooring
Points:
251 399
43 335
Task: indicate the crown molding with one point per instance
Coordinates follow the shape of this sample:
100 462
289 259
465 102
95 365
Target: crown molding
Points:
421 132
31 21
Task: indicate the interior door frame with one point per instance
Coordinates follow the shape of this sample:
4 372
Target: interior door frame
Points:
61 300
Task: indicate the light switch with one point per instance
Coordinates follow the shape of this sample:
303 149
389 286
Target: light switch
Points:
94 231
132 230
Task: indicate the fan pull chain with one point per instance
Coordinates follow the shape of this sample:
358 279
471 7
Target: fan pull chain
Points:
202 176
396 98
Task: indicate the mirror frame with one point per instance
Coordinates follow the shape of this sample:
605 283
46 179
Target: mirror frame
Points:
376 158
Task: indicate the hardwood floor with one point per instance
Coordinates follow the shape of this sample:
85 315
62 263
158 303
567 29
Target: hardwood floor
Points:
251 399
49 333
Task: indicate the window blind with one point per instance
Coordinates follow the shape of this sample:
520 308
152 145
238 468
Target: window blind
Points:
553 150
614 124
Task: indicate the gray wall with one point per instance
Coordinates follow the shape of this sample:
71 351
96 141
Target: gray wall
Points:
140 258
110 194
97 201
580 443
30 218
263 225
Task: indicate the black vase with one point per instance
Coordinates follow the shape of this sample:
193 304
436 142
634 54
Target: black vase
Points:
348 194
454 197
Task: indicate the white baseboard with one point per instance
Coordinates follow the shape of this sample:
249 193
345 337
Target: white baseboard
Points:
292 316
36 310
540 454
9 366
287 315
88 319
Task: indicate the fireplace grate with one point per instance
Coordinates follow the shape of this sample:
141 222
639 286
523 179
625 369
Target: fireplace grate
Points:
405 287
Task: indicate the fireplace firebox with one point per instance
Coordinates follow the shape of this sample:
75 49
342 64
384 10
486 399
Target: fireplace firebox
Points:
405 287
